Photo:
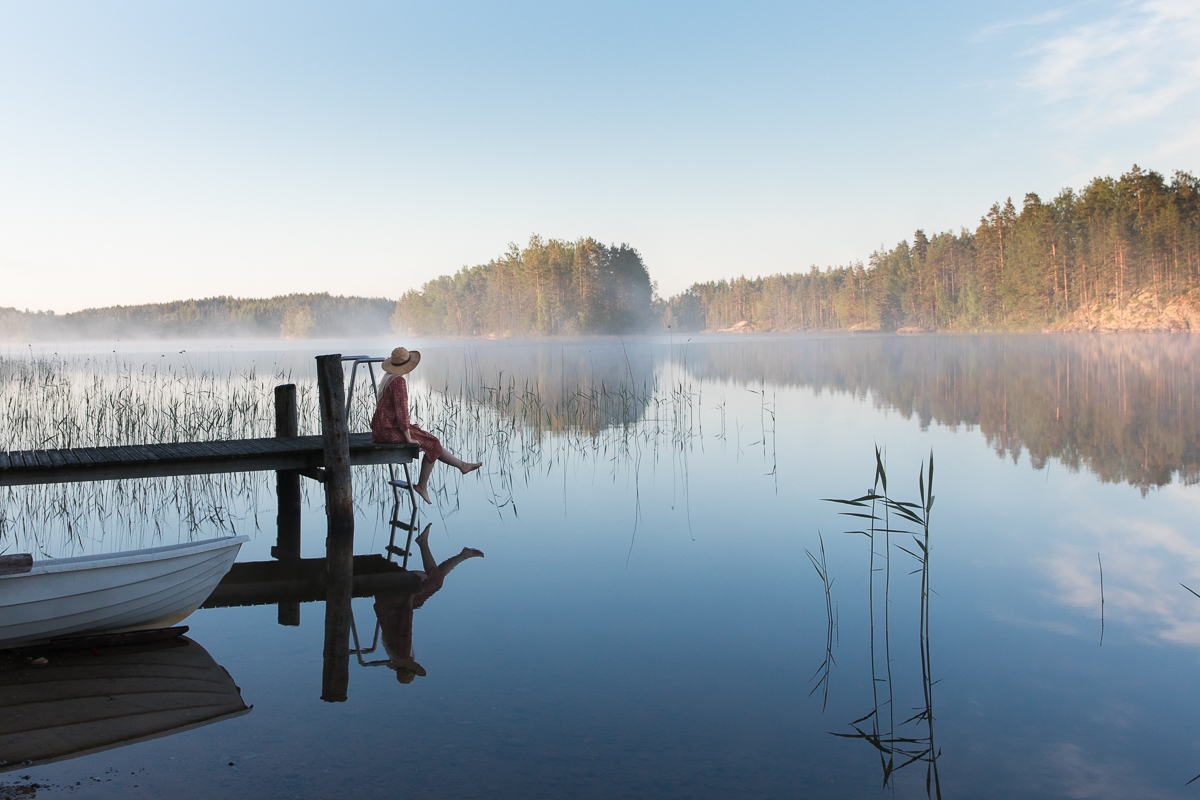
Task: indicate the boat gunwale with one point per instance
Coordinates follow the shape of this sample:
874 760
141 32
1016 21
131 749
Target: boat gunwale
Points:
127 557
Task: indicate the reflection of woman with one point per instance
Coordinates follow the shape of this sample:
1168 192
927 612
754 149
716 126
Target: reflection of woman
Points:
391 422
395 609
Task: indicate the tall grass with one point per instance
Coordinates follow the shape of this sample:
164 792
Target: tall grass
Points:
100 401
519 428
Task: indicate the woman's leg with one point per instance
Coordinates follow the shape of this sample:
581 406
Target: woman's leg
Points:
427 560
454 561
422 485
462 466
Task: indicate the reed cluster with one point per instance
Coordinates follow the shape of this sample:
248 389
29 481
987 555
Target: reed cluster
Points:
105 400
100 401
519 428
882 517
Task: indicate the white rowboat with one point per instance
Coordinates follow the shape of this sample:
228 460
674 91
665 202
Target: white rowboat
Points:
134 590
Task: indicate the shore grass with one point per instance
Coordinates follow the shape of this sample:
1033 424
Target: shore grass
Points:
518 427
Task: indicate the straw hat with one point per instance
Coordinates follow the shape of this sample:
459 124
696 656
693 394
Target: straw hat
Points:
402 361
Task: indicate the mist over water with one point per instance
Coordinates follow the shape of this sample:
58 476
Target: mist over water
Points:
646 621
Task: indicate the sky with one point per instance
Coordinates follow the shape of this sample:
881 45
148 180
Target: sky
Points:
157 151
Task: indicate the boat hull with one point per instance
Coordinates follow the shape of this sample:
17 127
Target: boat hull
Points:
153 588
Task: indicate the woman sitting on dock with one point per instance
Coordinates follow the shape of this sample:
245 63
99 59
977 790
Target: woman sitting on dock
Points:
391 423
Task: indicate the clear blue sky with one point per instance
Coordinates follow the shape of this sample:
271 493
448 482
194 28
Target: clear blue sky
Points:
153 151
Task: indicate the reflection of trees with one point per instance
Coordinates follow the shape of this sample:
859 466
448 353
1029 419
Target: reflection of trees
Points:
1122 406
525 408
583 387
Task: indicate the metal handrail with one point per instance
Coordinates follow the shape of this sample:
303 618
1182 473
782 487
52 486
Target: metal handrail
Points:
393 482
370 361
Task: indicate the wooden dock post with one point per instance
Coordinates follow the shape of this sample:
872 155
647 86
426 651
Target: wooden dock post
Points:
287 492
339 544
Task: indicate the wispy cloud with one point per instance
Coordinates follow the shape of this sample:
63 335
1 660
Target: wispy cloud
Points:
1145 562
1139 61
1037 20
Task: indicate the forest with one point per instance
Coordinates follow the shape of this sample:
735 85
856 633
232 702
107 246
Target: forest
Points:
549 287
1115 255
1121 254
293 316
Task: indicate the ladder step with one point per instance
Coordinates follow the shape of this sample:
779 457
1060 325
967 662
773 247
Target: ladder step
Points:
396 551
400 484
404 526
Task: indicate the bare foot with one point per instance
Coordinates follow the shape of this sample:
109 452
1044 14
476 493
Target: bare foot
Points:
471 552
423 536
423 491
465 468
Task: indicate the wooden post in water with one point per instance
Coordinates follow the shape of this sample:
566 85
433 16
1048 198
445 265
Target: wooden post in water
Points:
287 492
339 544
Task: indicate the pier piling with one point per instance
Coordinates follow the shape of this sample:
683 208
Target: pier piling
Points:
339 543
287 492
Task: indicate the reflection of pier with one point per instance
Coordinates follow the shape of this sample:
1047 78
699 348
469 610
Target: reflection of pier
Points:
258 583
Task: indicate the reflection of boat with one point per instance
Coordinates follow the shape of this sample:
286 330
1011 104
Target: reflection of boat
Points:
138 589
82 703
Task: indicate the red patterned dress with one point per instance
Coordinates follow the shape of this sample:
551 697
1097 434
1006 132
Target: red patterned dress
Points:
395 612
391 420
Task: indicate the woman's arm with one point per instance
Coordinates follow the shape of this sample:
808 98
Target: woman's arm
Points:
402 409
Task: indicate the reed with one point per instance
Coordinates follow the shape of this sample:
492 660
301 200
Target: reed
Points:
98 401
521 428
878 508
820 678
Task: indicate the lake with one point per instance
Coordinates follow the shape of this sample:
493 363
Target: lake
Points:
669 604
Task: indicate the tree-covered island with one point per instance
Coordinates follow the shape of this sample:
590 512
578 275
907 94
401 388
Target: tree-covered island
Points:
547 288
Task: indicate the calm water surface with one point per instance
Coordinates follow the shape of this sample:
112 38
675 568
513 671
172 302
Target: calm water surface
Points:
647 621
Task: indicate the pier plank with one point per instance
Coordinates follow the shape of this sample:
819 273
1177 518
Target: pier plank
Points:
125 454
185 450
145 452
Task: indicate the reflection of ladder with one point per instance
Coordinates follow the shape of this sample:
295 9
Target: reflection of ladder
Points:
394 481
359 651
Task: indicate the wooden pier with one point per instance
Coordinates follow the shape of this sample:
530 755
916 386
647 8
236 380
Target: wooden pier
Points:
283 453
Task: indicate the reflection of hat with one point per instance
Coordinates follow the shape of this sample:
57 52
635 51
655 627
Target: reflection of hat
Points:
406 668
402 361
